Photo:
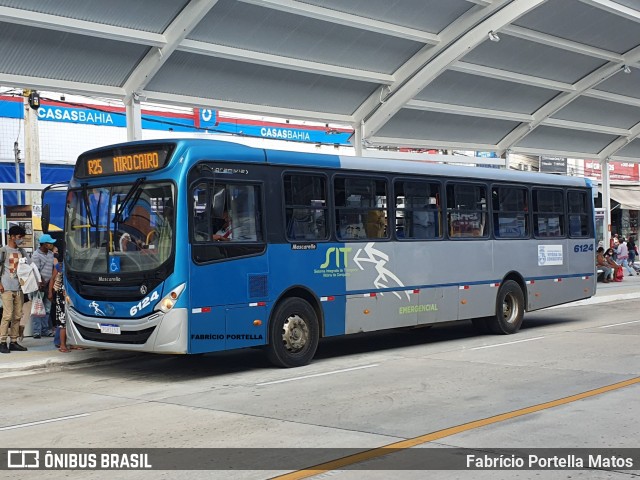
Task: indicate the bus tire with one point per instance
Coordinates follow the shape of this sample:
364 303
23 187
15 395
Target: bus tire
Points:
509 309
293 334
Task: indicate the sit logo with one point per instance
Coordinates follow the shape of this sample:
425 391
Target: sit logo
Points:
337 252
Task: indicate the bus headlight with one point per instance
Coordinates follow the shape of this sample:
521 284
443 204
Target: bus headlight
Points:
169 300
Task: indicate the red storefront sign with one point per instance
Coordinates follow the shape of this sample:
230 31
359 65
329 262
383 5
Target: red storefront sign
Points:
617 170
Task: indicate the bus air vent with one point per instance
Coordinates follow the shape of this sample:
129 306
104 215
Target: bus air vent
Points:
257 286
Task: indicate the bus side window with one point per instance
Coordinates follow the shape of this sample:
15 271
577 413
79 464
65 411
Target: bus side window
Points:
510 218
466 210
417 210
579 208
548 212
305 207
361 208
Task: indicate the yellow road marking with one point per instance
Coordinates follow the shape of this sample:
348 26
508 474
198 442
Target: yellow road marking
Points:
430 437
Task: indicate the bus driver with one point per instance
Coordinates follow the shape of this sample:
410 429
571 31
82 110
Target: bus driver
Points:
224 234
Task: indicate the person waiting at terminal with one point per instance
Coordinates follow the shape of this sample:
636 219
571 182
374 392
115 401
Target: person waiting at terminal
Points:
43 259
603 264
633 250
622 256
608 255
12 297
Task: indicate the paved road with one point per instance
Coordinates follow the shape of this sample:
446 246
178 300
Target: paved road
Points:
361 392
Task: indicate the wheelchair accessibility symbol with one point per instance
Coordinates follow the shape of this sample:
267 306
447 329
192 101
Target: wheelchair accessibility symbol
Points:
114 264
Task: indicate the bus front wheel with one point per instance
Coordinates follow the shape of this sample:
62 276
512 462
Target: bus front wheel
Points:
293 334
509 309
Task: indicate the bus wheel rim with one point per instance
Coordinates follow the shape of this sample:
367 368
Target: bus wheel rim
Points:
510 308
295 334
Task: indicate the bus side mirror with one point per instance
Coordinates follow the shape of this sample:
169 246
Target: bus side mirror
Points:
45 218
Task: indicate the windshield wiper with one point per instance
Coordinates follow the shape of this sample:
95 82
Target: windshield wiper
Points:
87 205
117 218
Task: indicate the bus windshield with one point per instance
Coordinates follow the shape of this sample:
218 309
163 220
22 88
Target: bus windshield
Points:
119 229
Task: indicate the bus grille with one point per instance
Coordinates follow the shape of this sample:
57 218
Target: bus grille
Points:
137 337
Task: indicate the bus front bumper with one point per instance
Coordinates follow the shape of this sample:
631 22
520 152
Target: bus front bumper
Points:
157 333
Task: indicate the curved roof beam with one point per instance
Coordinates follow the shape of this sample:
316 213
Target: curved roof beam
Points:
498 74
249 108
68 86
347 19
80 27
512 116
558 42
426 54
501 13
175 33
613 97
587 83
620 142
615 8
247 56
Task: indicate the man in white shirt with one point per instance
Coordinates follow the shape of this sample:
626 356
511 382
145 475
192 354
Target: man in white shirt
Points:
43 259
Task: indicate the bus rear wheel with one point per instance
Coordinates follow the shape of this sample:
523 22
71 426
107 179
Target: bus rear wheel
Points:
293 334
509 309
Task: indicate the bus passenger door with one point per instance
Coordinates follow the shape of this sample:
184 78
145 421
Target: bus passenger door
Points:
229 267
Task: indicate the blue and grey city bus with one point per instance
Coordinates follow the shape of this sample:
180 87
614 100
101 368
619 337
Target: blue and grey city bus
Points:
193 246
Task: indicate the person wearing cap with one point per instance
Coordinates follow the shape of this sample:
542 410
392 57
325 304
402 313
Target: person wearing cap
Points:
12 297
43 259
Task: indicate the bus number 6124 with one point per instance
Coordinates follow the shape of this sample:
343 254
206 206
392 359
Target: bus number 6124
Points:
144 303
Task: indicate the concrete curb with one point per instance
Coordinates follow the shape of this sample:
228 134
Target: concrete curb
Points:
596 300
44 361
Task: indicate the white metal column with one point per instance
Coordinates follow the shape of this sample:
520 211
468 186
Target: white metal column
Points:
357 138
134 118
606 201
31 153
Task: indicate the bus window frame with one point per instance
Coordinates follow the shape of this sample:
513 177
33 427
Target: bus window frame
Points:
535 211
528 212
488 221
224 248
440 211
589 214
329 231
353 174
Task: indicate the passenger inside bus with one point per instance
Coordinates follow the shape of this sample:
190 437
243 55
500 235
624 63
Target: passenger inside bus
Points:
376 226
224 233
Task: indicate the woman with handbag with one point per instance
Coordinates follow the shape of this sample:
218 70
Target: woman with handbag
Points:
617 268
56 293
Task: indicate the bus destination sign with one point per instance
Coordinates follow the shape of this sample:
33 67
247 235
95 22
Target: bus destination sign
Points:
121 162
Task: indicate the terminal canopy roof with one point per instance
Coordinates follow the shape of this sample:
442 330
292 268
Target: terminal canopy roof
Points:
556 77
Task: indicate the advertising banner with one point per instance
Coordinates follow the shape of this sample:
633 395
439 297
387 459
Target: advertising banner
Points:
617 170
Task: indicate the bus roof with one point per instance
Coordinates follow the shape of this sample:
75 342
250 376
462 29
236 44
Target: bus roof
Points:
200 149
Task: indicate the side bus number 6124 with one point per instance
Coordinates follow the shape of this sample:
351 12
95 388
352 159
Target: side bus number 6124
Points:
144 303
583 248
